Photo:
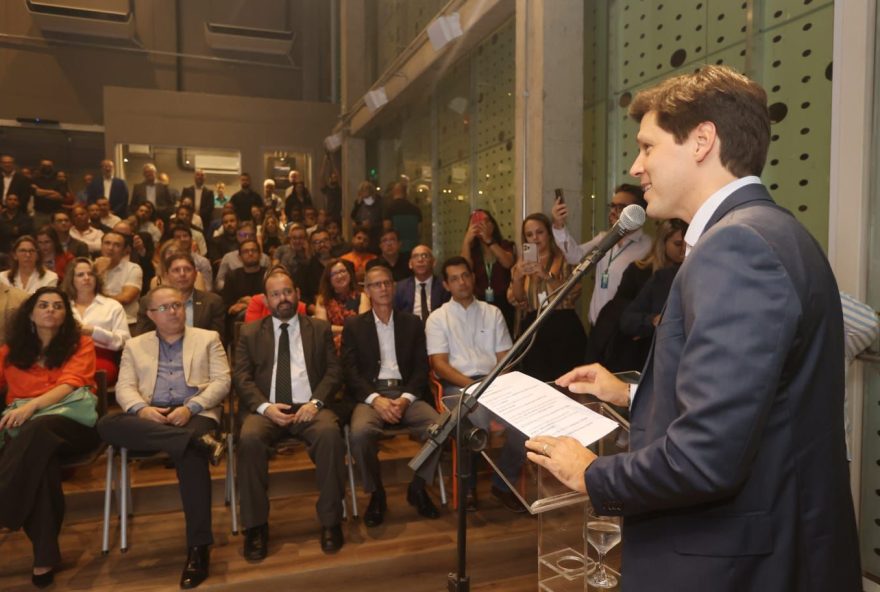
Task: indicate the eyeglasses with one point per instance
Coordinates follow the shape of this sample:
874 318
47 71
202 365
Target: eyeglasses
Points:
43 305
418 256
26 251
175 306
380 284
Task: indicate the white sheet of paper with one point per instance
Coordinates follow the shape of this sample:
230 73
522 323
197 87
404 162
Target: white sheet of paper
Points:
538 409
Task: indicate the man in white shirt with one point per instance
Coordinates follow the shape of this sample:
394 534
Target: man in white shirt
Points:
286 371
465 339
122 279
108 218
609 271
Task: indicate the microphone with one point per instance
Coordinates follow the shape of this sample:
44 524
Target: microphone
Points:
631 218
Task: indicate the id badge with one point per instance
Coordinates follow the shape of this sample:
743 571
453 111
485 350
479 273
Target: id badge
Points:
603 281
490 295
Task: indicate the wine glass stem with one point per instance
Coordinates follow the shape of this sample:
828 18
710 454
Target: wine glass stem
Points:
603 577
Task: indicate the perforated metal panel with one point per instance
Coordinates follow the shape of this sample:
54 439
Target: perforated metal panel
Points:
788 51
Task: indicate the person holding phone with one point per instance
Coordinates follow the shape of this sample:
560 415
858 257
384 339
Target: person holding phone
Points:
491 257
561 341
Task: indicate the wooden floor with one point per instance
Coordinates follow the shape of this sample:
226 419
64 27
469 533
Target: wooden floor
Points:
405 553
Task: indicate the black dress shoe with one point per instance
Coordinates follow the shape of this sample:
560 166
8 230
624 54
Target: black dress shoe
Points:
196 569
418 497
375 513
331 539
256 542
44 579
210 447
509 499
470 501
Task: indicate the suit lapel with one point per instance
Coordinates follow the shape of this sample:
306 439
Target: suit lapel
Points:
188 353
151 357
372 336
308 345
743 195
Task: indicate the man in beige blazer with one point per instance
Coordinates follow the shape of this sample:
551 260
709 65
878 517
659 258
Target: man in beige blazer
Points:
171 384
11 299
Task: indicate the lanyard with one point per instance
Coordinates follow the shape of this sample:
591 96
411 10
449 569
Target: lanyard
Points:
612 257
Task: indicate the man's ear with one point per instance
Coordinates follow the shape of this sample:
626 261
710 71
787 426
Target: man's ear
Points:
705 139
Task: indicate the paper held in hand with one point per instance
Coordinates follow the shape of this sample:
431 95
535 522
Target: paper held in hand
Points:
538 409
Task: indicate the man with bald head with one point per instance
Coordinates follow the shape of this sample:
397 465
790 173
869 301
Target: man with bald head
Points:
422 292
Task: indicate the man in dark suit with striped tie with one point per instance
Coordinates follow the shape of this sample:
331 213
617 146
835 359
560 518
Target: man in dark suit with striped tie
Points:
422 292
286 370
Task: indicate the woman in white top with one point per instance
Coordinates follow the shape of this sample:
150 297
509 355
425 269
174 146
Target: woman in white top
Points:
100 317
26 271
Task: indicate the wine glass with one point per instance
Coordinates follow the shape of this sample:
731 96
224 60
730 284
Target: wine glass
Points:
603 532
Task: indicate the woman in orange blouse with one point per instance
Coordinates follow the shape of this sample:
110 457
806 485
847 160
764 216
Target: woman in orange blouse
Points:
44 360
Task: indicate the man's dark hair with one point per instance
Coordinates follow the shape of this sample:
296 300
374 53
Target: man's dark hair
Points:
247 242
633 190
454 262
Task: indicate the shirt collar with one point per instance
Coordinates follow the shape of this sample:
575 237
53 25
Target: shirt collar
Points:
704 213
380 322
292 324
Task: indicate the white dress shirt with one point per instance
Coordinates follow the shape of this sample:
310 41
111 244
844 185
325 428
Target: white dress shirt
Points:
34 283
417 301
109 321
91 237
108 183
388 367
299 376
7 183
116 278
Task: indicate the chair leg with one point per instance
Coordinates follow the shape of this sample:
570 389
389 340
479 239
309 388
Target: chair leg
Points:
125 488
108 494
455 491
230 482
350 462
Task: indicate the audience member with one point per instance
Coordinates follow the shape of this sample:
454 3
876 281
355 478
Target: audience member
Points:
47 193
172 382
422 292
122 279
389 384
202 198
14 222
338 298
491 257
310 275
54 257
26 271
220 204
559 343
609 270
331 189
48 368
295 254
145 221
108 218
150 190
15 183
227 241
83 230
367 214
296 200
360 254
11 299
112 188
245 198
286 373
101 318
183 235
404 216
391 255
94 212
232 260
61 223
338 246
244 281
184 216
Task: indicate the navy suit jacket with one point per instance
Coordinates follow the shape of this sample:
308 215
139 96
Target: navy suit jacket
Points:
405 293
737 476
118 194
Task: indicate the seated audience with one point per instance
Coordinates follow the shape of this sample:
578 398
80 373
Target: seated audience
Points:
295 254
286 374
389 384
231 261
390 255
14 222
26 271
359 255
338 298
94 212
172 382
422 292
54 256
243 282
146 221
269 233
108 218
366 214
184 217
99 317
83 230
227 239
183 235
48 368
61 223
310 275
122 279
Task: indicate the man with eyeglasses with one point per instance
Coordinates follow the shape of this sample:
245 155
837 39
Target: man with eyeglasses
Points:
609 271
386 372
286 372
422 292
171 384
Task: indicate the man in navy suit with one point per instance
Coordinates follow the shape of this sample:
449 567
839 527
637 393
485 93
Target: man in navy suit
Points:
408 294
737 476
111 187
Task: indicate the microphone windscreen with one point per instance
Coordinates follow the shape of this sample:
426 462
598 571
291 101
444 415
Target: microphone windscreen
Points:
632 217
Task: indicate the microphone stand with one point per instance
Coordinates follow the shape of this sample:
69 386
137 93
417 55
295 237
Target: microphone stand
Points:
439 432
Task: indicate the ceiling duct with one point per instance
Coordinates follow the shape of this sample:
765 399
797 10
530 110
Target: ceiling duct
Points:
249 39
113 19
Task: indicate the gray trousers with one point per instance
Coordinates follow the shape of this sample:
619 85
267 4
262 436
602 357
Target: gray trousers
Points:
193 475
326 449
366 429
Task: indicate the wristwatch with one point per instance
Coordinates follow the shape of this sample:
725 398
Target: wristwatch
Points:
317 403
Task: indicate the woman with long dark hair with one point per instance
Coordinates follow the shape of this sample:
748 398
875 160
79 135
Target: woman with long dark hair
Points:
491 257
561 340
55 258
26 270
48 367
338 297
